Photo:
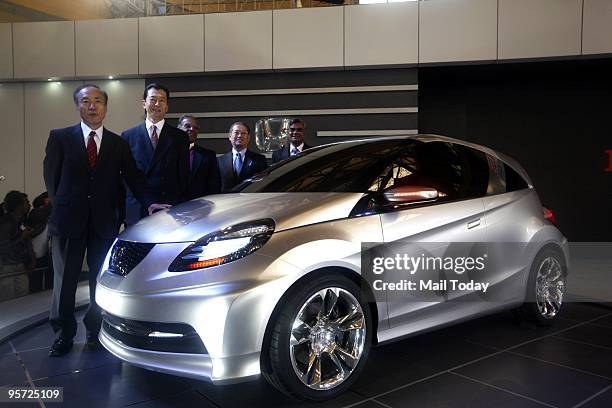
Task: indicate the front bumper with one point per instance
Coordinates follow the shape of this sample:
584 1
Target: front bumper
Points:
197 366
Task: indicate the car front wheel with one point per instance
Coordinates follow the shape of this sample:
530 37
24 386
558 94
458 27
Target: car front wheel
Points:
320 340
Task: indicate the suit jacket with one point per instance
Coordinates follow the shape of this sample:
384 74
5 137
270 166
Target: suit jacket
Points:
166 168
84 199
253 163
283 153
204 177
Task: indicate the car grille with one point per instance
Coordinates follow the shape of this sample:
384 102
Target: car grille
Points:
166 337
125 255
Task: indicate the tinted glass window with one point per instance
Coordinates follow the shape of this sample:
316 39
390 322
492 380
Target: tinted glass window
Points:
497 179
349 167
514 181
456 171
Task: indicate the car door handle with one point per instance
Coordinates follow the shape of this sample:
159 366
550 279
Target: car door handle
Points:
473 224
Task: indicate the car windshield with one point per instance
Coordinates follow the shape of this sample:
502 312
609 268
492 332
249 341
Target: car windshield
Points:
345 167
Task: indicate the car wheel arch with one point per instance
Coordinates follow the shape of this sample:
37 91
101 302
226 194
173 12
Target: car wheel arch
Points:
348 273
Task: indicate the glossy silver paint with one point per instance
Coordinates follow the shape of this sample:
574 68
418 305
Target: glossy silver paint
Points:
230 305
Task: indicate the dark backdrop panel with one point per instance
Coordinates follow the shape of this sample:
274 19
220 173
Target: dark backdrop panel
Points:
206 104
326 122
345 100
553 117
312 79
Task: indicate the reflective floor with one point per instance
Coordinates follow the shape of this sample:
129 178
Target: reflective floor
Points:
490 362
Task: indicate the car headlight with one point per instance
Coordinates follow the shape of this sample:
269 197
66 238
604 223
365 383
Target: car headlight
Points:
224 246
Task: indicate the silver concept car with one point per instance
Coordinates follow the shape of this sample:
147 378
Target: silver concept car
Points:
271 279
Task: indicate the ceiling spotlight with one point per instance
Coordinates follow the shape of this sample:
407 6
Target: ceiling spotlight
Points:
111 77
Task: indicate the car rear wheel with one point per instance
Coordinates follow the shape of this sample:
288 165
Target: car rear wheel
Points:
320 339
545 288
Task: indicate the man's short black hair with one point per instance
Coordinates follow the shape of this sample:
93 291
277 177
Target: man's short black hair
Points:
297 120
158 87
185 117
75 94
13 200
243 124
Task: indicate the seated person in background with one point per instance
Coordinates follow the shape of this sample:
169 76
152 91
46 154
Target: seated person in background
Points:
42 276
15 244
296 145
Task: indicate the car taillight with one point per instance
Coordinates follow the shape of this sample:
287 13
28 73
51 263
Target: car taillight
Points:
549 215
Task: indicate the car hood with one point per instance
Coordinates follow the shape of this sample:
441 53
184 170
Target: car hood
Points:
192 220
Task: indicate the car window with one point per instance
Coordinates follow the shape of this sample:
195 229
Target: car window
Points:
514 181
456 171
497 180
349 168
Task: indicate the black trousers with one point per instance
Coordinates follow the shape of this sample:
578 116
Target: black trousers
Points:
67 255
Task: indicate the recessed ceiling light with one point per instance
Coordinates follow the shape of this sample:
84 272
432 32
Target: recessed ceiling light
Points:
111 77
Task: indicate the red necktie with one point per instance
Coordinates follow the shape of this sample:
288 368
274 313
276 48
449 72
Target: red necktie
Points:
92 150
154 138
191 158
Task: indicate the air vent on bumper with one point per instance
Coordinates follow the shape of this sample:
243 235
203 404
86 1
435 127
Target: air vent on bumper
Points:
154 336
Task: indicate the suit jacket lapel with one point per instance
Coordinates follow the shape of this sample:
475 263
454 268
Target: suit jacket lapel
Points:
144 151
163 145
248 162
197 161
79 145
106 140
226 164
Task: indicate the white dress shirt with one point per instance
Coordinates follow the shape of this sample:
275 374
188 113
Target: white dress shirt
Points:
98 137
241 153
299 148
159 125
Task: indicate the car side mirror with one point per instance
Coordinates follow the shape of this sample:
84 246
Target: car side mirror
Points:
411 194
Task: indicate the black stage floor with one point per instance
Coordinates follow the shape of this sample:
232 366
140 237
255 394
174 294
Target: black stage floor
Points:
491 362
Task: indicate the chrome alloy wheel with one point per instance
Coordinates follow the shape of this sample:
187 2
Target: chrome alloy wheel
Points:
550 287
327 338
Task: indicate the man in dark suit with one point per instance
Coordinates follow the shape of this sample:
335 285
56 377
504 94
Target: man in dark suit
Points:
204 177
240 163
161 153
296 144
82 169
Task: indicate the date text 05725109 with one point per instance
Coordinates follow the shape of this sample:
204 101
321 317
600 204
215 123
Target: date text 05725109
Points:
23 394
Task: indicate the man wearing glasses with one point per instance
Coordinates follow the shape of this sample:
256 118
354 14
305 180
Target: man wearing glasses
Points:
240 163
296 141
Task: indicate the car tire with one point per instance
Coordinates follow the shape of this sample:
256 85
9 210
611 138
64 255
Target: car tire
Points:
545 288
320 339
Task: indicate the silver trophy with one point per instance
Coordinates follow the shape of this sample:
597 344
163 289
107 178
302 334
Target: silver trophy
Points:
271 133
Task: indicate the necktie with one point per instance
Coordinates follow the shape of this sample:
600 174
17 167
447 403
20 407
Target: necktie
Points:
154 138
191 158
92 150
294 151
237 164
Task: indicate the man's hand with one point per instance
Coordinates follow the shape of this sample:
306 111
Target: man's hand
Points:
158 207
27 233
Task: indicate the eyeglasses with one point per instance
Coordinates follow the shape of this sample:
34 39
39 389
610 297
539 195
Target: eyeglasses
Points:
296 129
